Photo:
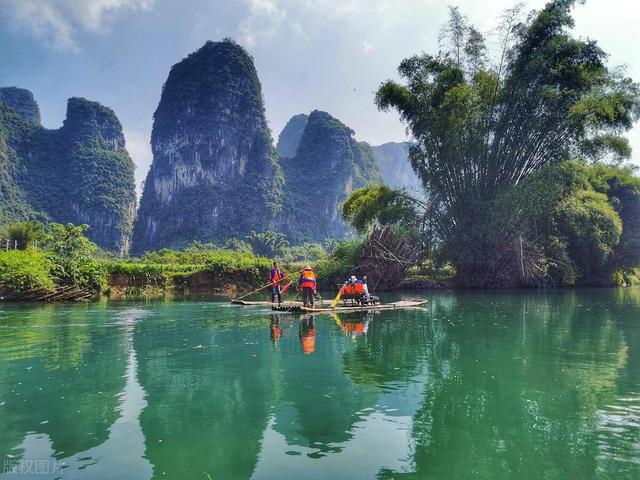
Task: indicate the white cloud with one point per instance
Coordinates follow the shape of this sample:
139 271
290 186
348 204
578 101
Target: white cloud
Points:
58 23
264 19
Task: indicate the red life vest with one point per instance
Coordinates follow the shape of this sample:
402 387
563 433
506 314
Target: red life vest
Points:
276 275
308 279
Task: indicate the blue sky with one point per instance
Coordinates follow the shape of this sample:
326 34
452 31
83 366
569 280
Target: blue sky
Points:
324 54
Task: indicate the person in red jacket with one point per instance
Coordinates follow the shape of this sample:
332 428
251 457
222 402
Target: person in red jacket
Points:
308 285
275 277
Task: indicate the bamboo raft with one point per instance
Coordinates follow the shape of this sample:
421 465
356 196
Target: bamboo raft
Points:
266 303
294 307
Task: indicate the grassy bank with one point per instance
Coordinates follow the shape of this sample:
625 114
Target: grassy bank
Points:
218 271
68 262
222 271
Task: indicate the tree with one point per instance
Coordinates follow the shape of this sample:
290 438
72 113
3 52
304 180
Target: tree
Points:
622 188
379 205
71 254
267 244
481 132
23 234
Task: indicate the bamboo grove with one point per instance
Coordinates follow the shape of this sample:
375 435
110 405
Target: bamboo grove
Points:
486 132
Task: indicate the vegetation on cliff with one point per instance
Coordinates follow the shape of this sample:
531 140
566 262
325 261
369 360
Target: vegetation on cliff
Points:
215 173
328 166
484 133
80 173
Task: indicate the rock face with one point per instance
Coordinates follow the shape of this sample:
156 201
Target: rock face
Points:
22 102
393 161
329 164
215 173
79 173
291 134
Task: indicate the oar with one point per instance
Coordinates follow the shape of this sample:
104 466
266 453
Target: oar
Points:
262 288
286 287
337 299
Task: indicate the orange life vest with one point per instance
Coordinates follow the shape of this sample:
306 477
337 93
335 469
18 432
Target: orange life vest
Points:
353 289
308 279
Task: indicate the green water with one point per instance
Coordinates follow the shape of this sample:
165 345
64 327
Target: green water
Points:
524 385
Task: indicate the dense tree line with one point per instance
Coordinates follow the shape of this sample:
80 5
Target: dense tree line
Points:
503 150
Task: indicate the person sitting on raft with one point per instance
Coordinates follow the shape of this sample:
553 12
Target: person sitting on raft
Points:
308 285
275 277
356 289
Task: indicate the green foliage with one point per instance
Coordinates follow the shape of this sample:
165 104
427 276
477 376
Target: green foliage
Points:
622 188
216 89
71 255
163 267
481 132
77 173
24 270
583 231
328 165
237 245
267 244
592 229
338 266
24 234
378 205
305 253
245 266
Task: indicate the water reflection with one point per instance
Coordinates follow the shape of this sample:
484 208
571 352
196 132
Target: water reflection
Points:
520 385
353 325
308 334
101 437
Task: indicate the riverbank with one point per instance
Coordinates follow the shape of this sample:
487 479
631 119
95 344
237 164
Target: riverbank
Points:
30 275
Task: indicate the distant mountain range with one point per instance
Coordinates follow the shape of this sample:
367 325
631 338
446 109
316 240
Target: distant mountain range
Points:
215 174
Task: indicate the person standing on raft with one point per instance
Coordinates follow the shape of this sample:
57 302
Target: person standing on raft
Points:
275 277
308 285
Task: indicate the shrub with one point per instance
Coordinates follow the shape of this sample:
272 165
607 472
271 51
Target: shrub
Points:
24 270
71 255
338 266
248 266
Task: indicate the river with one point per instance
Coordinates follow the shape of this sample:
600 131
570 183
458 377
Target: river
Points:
522 385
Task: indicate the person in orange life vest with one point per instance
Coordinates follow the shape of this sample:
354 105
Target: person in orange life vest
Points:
308 335
354 287
308 285
276 276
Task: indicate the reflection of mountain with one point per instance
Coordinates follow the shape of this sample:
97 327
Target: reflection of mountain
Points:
66 386
378 438
210 391
503 401
121 454
319 404
393 350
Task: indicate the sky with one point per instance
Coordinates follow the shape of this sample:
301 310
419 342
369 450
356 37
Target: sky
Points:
310 54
